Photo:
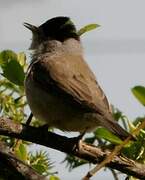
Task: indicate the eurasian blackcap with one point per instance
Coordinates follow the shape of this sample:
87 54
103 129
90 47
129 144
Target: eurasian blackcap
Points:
60 88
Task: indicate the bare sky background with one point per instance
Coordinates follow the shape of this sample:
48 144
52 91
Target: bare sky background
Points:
115 51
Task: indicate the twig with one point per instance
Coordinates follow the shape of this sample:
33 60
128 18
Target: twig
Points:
115 152
13 168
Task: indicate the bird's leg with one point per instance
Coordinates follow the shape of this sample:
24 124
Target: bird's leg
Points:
80 137
43 127
29 119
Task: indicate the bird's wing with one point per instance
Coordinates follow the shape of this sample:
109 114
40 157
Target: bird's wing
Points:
71 75
70 78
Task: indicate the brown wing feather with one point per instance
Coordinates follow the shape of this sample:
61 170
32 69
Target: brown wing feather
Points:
73 75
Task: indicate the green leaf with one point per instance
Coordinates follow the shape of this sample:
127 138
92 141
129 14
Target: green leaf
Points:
54 178
21 152
5 56
136 149
40 162
73 162
12 70
87 28
21 58
139 93
40 168
105 134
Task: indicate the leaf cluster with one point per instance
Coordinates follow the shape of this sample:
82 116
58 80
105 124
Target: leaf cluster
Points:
13 104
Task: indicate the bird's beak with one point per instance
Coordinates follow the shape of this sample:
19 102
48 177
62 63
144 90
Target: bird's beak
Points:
31 27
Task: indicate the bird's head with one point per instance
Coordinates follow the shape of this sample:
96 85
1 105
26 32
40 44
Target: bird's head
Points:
58 28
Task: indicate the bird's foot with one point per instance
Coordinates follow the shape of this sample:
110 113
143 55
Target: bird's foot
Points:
78 141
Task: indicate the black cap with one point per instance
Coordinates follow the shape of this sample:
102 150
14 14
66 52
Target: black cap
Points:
59 28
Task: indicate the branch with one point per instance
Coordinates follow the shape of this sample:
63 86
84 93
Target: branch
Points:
13 168
68 145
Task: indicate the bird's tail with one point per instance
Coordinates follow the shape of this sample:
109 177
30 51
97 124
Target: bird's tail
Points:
116 129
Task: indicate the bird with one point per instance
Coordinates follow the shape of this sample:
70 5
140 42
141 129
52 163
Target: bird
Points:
61 89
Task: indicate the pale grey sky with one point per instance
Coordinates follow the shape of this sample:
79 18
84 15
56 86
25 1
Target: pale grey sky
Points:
115 51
